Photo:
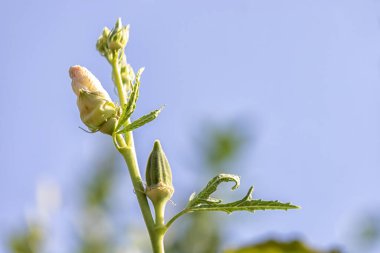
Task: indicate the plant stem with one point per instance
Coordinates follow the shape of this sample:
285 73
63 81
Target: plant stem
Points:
117 79
170 222
129 155
125 145
159 210
160 228
158 243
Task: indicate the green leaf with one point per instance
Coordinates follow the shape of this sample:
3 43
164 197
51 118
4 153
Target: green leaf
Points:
130 107
141 121
204 202
211 187
245 204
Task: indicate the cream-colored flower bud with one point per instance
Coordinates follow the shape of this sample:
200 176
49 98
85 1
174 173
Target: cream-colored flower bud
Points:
97 111
83 79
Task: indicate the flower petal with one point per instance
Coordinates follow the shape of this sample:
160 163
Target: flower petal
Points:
83 79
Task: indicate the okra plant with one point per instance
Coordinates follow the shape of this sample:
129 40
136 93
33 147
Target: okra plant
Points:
100 114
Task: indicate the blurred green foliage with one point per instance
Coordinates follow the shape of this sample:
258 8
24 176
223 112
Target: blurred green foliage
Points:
274 246
200 234
366 235
99 186
28 241
220 144
94 235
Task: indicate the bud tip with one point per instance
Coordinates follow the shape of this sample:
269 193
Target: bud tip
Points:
157 145
74 70
118 24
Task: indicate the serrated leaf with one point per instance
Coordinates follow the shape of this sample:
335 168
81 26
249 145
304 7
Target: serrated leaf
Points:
204 202
211 187
192 196
250 205
130 107
141 121
245 204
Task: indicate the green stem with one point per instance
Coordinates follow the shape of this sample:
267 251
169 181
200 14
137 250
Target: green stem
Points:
129 154
160 228
117 79
170 222
125 145
158 243
159 210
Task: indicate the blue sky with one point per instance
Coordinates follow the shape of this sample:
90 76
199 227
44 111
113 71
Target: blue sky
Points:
304 74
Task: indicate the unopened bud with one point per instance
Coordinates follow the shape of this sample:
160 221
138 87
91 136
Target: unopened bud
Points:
118 38
83 79
127 75
158 176
97 111
101 43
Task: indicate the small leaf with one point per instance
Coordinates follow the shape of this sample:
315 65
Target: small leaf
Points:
211 187
245 204
141 121
212 200
192 196
250 205
130 107
203 202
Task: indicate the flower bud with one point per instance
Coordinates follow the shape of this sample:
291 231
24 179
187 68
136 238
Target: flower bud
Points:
158 176
127 73
83 79
97 111
118 38
101 43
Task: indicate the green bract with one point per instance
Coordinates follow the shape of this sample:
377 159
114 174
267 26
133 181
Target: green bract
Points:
101 44
126 72
119 36
97 113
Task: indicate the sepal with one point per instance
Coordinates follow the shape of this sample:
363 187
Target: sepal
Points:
97 113
119 36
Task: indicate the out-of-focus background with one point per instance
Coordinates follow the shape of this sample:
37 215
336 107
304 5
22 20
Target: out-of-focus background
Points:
283 93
